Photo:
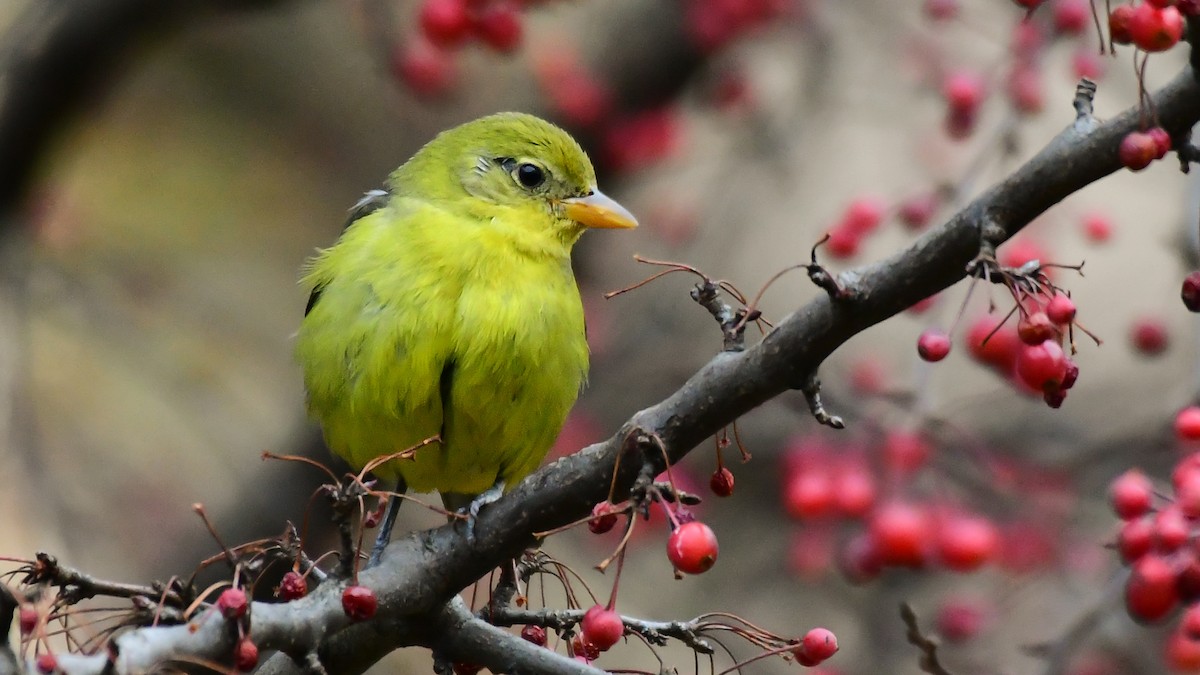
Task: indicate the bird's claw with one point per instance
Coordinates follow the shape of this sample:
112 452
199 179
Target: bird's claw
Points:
471 511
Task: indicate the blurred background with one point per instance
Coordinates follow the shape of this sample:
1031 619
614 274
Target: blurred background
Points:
149 293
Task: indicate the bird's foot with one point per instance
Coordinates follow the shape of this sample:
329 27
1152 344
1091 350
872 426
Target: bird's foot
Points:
481 500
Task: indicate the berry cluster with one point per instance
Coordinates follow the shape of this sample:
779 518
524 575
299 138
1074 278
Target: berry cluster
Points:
1158 543
427 64
825 485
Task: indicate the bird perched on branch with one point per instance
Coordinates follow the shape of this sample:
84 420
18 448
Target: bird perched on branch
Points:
448 308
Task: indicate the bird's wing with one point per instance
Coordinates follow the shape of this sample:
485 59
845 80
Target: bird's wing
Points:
370 202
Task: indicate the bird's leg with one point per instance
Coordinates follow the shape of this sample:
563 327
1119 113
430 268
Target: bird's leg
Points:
459 503
389 519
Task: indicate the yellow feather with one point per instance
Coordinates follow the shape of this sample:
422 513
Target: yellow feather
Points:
452 309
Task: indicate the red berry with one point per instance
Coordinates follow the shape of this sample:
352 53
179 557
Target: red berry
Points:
1087 63
843 242
692 548
941 10
916 211
961 620
854 492
1060 309
1190 293
292 587
863 215
1189 623
1027 38
233 603
721 482
1135 539
1153 29
933 345
1150 336
425 69
1187 424
464 668
245 655
905 451
1035 328
359 603
27 619
445 23
1131 494
603 518
499 25
534 634
1162 141
1071 17
584 649
1021 251
963 91
1042 366
1150 592
819 644
901 534
1188 7
993 346
1182 652
47 663
602 627
1119 25
1137 150
1025 89
860 560
1097 227
1171 529
960 123
966 542
809 494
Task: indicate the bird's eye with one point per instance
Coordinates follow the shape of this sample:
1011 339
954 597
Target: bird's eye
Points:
530 175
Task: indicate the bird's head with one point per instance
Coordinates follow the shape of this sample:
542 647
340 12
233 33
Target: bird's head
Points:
513 163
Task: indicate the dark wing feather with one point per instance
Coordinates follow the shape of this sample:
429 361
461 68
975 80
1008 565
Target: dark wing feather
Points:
371 202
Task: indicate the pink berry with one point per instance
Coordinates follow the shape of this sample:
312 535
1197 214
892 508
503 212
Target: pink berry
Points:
843 242
916 211
933 345
819 644
1162 141
966 542
1171 529
359 603
1042 366
1131 494
1150 592
960 620
863 215
1135 539
1137 150
425 69
692 548
1060 309
27 619
963 90
602 627
905 451
1025 89
1035 328
941 10
1150 336
47 663
292 587
1071 17
809 494
1187 424
1182 653
232 603
1119 22
245 655
1153 29
1097 227
445 23
996 347
901 534
499 25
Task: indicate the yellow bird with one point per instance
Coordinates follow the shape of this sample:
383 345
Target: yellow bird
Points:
448 307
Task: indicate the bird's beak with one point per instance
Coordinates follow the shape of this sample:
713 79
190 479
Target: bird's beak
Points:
598 210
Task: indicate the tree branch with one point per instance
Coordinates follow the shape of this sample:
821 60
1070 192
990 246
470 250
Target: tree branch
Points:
422 573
